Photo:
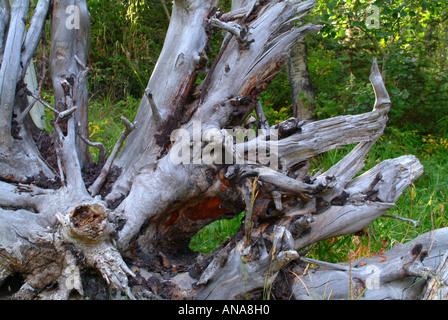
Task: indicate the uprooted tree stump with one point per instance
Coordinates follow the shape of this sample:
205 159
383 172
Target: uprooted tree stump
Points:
188 162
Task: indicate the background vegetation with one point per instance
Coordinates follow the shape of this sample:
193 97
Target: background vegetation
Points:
411 45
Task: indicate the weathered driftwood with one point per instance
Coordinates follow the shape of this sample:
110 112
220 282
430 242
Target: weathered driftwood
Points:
129 229
400 273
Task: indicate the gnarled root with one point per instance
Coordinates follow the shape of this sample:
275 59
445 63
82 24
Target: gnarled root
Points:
88 231
244 268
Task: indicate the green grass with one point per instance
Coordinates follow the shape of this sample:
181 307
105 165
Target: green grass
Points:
215 234
105 123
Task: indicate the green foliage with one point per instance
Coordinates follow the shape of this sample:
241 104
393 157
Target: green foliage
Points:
127 37
215 234
276 101
410 44
105 123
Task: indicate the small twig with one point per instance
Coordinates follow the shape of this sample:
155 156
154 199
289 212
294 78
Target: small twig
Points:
306 251
65 114
80 62
167 12
152 104
263 122
25 112
42 101
83 74
98 145
240 13
61 170
96 186
415 223
325 264
240 33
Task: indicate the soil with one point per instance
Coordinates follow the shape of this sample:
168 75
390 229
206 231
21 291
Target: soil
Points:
90 171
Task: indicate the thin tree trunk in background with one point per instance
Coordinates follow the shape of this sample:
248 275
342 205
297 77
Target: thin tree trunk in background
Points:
165 8
302 91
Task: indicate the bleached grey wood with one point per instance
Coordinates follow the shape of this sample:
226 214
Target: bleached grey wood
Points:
388 179
177 68
34 33
156 205
18 157
238 275
70 37
28 72
4 19
437 284
385 277
10 66
245 66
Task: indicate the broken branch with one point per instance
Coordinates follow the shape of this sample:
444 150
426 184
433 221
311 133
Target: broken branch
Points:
96 186
152 104
325 264
98 145
288 184
263 122
240 33
65 114
414 222
42 101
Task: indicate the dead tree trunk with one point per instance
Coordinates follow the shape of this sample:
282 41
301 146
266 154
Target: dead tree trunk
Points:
182 166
